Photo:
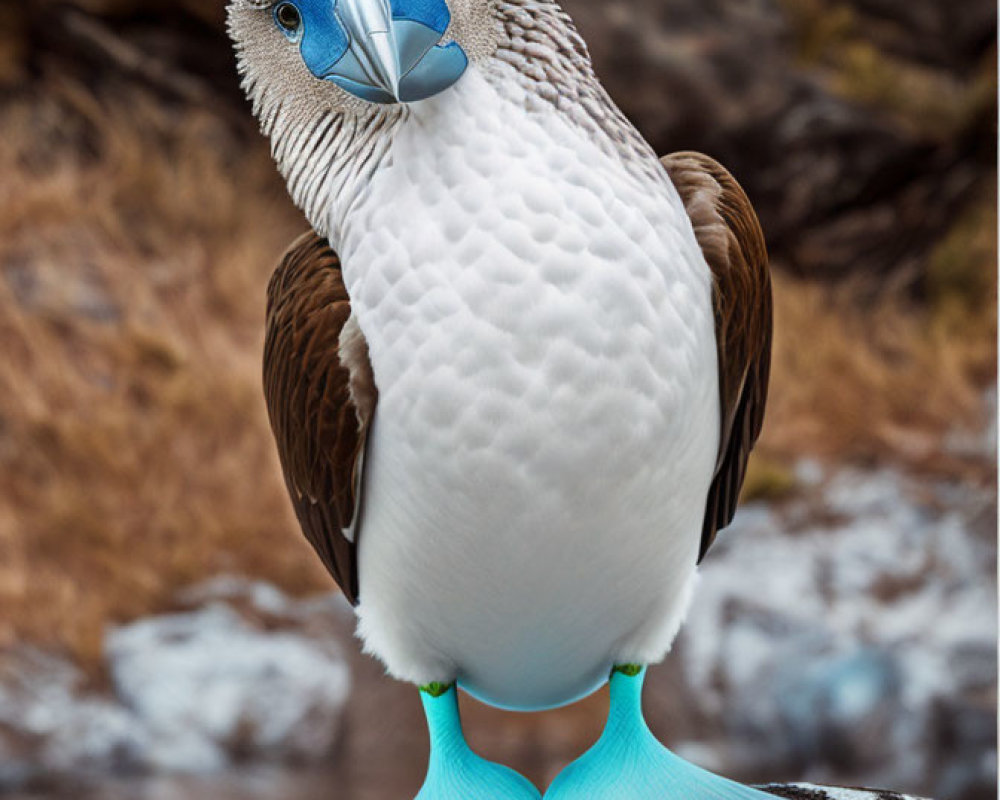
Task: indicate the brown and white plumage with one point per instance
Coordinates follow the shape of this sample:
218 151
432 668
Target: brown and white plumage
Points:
321 395
732 241
567 339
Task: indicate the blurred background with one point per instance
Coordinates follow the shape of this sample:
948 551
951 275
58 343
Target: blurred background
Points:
166 633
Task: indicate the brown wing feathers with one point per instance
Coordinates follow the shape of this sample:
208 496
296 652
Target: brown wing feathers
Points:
733 244
320 398
321 395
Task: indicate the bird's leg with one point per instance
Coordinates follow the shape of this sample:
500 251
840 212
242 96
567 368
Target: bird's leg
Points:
454 771
628 763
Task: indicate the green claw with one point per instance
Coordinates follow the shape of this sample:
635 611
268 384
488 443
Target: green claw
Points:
436 689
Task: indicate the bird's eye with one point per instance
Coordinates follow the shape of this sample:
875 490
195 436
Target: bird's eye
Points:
288 18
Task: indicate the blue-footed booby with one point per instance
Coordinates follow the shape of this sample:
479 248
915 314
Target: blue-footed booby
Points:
515 372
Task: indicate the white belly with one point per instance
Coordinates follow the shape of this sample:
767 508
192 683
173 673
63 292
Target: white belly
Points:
540 327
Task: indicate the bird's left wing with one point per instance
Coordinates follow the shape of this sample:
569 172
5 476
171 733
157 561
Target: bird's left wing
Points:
732 242
321 397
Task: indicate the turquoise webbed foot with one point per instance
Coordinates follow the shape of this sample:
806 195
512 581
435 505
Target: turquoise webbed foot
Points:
454 771
628 763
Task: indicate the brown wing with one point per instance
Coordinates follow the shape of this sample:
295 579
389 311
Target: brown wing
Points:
731 239
320 397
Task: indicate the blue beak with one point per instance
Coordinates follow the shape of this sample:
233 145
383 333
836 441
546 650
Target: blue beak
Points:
383 51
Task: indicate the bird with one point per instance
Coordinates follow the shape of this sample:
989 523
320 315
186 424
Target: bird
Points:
514 371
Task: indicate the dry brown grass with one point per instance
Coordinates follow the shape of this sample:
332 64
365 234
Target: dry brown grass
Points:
135 245
878 383
883 381
133 442
888 379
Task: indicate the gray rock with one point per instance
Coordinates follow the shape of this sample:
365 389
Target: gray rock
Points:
812 791
49 723
193 692
208 686
871 655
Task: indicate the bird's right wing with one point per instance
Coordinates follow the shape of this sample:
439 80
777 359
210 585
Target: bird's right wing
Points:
321 398
732 242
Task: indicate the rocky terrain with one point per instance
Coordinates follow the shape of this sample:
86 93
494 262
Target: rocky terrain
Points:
844 637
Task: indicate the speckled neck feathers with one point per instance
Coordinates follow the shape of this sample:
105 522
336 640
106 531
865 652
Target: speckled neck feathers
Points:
327 154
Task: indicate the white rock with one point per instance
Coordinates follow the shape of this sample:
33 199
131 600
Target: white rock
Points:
809 634
206 684
192 692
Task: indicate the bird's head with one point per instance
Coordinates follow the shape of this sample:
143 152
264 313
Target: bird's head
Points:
344 51
333 81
